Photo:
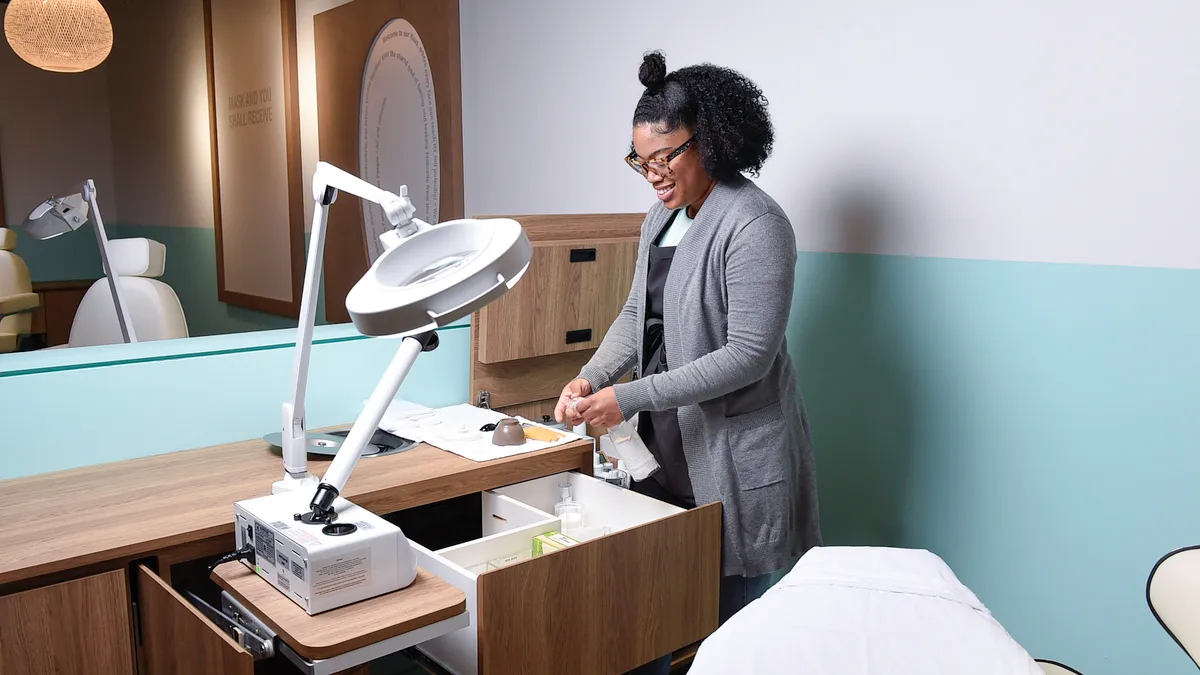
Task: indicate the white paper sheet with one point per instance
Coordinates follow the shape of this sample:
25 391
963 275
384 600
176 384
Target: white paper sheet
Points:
457 429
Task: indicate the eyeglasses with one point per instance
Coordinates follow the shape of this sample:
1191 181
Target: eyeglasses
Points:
659 166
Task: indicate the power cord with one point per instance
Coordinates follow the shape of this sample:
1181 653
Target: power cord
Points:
244 553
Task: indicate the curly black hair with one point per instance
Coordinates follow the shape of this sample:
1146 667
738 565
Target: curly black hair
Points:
725 110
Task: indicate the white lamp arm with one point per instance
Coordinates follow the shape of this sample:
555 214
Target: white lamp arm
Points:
364 427
114 282
295 434
328 180
398 208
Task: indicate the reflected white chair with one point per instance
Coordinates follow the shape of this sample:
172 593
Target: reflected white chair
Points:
1173 593
153 306
1056 668
17 299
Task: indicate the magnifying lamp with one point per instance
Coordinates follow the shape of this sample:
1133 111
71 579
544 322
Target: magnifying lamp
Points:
60 215
428 276
327 181
435 277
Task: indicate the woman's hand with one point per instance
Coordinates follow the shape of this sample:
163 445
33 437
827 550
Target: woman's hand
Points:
601 409
574 389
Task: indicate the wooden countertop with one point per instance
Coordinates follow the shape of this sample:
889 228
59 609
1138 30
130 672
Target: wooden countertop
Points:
104 514
326 635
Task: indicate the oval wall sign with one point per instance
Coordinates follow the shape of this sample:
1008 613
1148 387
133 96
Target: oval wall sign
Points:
398 133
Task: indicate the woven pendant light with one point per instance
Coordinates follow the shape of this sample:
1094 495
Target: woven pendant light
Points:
63 36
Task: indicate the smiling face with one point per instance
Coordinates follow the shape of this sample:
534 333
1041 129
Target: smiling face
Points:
680 181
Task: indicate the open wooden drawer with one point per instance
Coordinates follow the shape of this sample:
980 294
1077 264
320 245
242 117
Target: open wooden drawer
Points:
606 605
247 620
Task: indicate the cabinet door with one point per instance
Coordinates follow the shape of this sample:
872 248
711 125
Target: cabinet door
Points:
178 640
80 627
566 301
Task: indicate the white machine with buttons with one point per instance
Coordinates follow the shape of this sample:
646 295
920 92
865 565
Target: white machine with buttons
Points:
322 566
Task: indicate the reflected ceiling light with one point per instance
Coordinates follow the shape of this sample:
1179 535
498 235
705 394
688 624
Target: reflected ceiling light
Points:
59 215
62 36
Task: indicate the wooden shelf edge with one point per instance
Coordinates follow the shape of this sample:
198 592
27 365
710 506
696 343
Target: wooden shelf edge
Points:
244 585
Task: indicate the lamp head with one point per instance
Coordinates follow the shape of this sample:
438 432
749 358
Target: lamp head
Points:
399 210
438 276
56 216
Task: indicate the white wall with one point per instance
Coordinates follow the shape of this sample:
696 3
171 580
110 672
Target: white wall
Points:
1048 131
53 134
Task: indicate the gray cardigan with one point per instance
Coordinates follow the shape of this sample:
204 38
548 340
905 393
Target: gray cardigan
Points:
744 425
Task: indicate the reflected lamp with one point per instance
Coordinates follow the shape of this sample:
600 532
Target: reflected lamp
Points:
58 216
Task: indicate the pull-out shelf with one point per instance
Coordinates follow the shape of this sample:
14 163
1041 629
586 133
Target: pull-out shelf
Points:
642 582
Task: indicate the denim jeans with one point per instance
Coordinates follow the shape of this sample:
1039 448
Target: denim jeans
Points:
736 593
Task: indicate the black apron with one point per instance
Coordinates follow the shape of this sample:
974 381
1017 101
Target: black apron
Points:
660 430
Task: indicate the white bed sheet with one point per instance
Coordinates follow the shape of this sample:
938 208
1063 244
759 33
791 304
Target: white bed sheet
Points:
865 611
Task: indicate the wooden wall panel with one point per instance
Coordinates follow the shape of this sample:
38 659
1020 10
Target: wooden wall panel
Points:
343 38
258 191
3 217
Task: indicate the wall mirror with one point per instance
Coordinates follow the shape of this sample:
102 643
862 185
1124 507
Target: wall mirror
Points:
200 130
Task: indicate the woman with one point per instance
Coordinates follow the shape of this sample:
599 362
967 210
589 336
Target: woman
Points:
717 398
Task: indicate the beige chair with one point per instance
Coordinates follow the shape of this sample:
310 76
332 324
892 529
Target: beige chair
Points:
17 299
1173 593
153 307
1056 668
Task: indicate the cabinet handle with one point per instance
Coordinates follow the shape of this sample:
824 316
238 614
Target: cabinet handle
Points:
577 336
579 255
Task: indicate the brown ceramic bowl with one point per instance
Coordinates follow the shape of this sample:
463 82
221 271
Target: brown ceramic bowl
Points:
508 432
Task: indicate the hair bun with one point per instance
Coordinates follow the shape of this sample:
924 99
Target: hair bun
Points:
653 72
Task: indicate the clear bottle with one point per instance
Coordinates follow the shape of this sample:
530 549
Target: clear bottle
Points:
632 450
614 476
568 511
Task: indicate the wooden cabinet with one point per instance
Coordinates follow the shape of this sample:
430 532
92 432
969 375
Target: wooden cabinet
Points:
57 304
526 345
648 587
569 296
82 627
642 582
176 639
